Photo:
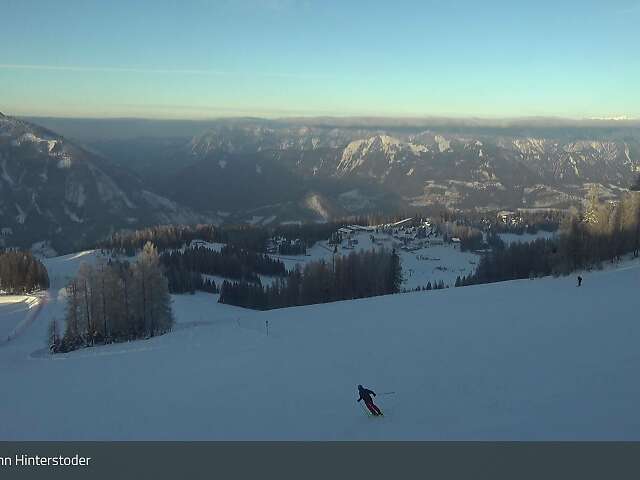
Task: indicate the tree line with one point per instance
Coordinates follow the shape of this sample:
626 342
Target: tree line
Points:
254 238
437 285
471 238
602 231
21 272
358 275
290 248
247 237
166 237
528 221
182 280
114 302
231 261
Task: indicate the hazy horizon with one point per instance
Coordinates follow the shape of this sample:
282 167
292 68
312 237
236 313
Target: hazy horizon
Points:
424 118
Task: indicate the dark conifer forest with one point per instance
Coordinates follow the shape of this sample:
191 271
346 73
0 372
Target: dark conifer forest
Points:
602 232
21 272
185 266
357 275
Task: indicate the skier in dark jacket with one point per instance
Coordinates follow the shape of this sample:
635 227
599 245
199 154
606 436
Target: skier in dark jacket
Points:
579 280
365 394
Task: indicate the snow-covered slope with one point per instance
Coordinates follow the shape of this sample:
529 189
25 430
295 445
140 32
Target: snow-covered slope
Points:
532 359
16 312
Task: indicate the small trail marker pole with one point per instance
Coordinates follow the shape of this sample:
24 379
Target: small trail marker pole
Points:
267 322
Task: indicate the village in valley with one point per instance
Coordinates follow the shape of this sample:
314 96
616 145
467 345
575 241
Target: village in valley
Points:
430 259
431 255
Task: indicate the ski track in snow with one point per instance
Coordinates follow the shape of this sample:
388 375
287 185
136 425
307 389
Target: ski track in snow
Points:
23 311
521 360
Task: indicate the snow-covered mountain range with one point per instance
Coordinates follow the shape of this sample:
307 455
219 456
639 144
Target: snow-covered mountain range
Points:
465 168
272 171
51 188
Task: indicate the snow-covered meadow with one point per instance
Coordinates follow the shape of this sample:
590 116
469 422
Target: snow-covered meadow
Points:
428 264
529 359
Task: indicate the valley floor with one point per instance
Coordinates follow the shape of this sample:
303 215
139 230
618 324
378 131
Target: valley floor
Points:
522 360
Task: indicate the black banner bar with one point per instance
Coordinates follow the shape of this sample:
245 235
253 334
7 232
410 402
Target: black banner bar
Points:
326 460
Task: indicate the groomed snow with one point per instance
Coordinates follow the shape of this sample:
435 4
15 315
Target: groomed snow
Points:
531 359
64 268
15 313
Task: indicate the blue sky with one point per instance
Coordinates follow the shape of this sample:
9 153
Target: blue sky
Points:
208 58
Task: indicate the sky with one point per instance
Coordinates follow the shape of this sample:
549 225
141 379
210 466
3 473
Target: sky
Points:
281 58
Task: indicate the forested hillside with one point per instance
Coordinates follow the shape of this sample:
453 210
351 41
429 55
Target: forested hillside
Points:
115 302
21 272
601 232
357 275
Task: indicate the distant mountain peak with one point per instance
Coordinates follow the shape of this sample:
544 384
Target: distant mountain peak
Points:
615 118
51 188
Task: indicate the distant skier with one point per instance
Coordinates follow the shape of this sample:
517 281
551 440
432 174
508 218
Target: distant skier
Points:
365 394
579 280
